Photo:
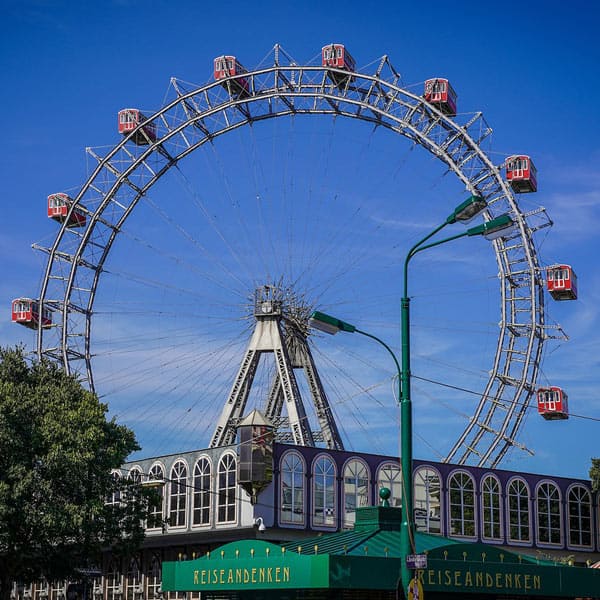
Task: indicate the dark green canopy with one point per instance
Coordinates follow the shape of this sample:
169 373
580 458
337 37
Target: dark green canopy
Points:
368 558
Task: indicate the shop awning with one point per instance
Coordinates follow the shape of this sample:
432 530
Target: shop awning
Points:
368 558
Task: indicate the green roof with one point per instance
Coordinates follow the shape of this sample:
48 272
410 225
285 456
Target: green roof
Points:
376 533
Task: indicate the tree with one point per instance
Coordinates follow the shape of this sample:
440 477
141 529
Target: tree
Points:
595 474
57 450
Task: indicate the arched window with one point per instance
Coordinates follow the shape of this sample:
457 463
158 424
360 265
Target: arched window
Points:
202 495
226 489
114 498
178 497
324 507
134 579
155 519
292 488
356 489
135 475
153 576
579 508
548 514
41 590
491 509
517 497
390 476
58 589
114 585
427 501
461 490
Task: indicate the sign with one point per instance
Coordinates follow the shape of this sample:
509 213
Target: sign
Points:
416 561
415 589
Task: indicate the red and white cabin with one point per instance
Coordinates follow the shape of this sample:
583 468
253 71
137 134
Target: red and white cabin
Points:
229 66
58 209
27 312
561 282
337 57
441 94
552 403
521 174
130 119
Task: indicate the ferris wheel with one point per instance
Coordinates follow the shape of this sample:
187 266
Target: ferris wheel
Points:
226 139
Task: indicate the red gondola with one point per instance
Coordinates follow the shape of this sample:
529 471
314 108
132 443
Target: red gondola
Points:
58 209
441 94
552 403
561 282
337 57
229 66
130 119
521 174
27 312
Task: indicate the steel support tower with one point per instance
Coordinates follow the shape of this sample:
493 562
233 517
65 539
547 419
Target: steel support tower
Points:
279 330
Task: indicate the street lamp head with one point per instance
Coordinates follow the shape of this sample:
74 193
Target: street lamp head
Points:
329 324
494 228
468 209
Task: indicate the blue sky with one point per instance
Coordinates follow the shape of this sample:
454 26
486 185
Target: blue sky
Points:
531 70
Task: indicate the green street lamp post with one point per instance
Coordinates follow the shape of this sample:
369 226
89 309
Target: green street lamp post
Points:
490 229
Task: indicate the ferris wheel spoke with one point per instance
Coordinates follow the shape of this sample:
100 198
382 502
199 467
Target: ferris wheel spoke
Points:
286 212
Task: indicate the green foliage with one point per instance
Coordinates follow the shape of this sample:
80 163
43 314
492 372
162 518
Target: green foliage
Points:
595 474
57 450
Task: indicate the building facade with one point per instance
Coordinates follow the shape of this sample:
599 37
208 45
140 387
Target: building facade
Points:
315 490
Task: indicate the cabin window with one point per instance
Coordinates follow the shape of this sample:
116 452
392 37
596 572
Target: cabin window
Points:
21 306
201 508
548 514
579 507
155 519
462 505
230 64
515 165
390 477
518 512
356 490
226 489
427 501
292 488
549 398
178 497
491 509
128 116
338 52
324 492
562 274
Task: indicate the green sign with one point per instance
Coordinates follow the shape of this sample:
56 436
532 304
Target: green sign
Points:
258 565
491 578
247 565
